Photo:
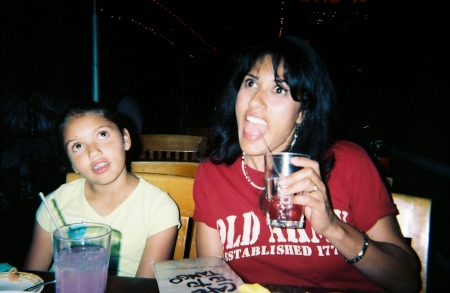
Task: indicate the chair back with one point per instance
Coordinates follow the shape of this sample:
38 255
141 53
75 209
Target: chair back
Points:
199 131
180 189
181 168
173 147
414 219
71 176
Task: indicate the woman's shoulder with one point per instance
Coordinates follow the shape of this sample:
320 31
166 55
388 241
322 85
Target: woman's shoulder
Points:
349 150
207 167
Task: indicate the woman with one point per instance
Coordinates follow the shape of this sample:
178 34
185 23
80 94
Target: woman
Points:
144 218
280 98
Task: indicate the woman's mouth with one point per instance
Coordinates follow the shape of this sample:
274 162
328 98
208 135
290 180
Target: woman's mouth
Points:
255 128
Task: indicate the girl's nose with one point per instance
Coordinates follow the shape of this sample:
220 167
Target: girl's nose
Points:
94 152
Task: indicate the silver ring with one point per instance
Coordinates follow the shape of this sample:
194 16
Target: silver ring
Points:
315 188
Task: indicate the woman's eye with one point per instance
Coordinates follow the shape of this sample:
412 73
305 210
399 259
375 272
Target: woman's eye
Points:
250 82
280 90
103 134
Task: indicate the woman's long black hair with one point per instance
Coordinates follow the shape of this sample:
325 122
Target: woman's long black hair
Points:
310 84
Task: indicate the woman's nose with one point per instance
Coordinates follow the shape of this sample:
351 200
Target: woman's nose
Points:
257 99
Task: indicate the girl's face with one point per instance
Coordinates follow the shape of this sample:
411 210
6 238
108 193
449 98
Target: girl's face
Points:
96 147
265 110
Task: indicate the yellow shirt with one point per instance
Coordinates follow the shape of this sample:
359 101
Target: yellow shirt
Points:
147 211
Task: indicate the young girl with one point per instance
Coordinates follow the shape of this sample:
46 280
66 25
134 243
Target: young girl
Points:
280 98
144 219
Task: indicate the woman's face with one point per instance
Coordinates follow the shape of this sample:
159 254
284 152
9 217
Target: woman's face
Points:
265 111
96 147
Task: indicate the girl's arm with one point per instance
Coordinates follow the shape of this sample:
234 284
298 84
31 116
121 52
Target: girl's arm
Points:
208 241
158 247
40 254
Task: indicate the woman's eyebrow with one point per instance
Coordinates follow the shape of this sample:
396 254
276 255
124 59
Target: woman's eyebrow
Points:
251 75
280 80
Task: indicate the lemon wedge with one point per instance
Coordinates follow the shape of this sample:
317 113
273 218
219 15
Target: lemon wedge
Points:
252 288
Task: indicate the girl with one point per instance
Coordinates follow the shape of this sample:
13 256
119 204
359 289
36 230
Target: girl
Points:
144 219
280 98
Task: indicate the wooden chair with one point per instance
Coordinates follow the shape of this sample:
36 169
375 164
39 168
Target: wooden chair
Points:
199 131
187 169
180 189
173 147
414 219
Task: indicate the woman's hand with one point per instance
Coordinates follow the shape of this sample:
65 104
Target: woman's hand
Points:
310 191
388 262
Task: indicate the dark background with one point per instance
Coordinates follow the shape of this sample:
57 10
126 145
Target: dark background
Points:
388 59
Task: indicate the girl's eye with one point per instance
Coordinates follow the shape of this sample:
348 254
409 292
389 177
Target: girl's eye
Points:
76 147
103 134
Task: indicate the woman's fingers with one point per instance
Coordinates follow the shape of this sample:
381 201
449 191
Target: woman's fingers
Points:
306 179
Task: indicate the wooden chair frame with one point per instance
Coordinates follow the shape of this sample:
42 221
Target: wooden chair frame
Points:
173 147
414 219
187 169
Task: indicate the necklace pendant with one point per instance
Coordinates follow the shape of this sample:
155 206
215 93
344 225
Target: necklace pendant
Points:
244 171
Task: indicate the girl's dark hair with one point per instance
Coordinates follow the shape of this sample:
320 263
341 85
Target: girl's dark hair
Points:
309 83
84 108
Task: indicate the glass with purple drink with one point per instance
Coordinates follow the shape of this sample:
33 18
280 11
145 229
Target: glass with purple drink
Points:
81 257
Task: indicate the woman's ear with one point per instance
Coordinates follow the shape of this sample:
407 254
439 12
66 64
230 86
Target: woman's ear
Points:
126 139
300 117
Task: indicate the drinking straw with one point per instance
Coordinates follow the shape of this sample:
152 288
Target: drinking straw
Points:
271 157
41 195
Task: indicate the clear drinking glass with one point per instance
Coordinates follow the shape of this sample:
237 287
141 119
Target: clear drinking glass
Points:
81 256
281 212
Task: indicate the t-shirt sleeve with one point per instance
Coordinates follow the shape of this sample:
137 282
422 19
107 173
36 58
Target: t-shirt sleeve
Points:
202 212
369 199
165 214
43 218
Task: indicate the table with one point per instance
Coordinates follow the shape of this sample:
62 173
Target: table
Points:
114 284
146 285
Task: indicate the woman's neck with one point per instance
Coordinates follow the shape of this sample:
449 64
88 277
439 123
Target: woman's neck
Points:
255 162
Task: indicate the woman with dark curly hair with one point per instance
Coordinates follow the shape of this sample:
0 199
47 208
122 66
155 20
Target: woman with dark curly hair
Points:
280 98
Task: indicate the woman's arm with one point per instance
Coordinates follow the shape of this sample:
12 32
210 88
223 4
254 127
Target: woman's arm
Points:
208 241
396 262
40 254
158 247
388 262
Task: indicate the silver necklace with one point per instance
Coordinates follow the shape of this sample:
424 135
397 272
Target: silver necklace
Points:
244 170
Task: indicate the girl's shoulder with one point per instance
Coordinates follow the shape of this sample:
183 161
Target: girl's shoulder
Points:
147 189
71 189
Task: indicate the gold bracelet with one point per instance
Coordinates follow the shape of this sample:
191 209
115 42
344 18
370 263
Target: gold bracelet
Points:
362 252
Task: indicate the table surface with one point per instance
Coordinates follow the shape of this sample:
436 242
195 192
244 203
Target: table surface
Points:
145 285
